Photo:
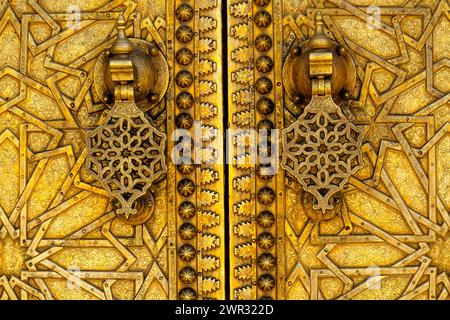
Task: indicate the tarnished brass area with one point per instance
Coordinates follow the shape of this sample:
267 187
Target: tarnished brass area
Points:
126 152
322 149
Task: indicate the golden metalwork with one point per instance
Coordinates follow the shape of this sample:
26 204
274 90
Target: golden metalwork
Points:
388 229
60 237
321 149
126 152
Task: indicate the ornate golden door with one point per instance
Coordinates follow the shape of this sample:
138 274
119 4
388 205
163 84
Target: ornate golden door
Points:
99 98
386 234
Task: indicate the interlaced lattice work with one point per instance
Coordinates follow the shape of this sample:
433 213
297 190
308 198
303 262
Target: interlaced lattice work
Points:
322 150
126 154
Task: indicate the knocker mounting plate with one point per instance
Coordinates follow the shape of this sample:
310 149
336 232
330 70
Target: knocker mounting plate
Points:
297 81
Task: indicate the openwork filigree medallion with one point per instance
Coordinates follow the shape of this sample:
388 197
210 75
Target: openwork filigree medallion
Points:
126 154
322 150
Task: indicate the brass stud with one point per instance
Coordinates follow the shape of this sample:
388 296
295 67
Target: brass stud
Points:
266 261
154 97
265 124
297 99
297 51
266 282
263 42
187 275
264 64
187 231
184 100
264 85
184 79
186 187
342 51
184 57
345 95
266 196
186 210
186 252
265 106
187 294
186 166
184 34
262 19
266 240
266 219
107 99
184 120
153 51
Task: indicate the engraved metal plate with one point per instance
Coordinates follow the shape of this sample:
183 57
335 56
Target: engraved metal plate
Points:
387 238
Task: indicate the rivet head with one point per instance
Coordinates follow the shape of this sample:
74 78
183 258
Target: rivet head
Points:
297 51
297 99
342 51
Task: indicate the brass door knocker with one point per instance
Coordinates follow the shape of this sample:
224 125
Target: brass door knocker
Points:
126 153
322 148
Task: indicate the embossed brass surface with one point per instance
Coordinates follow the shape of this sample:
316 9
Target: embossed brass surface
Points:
387 237
321 149
387 233
60 237
126 153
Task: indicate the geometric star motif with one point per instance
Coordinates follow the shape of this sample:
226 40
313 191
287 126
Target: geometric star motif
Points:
126 154
322 150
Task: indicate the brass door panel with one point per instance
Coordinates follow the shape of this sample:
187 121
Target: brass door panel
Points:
382 234
388 236
60 237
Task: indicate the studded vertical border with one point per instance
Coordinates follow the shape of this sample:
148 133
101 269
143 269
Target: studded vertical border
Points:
199 181
254 88
241 177
264 100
